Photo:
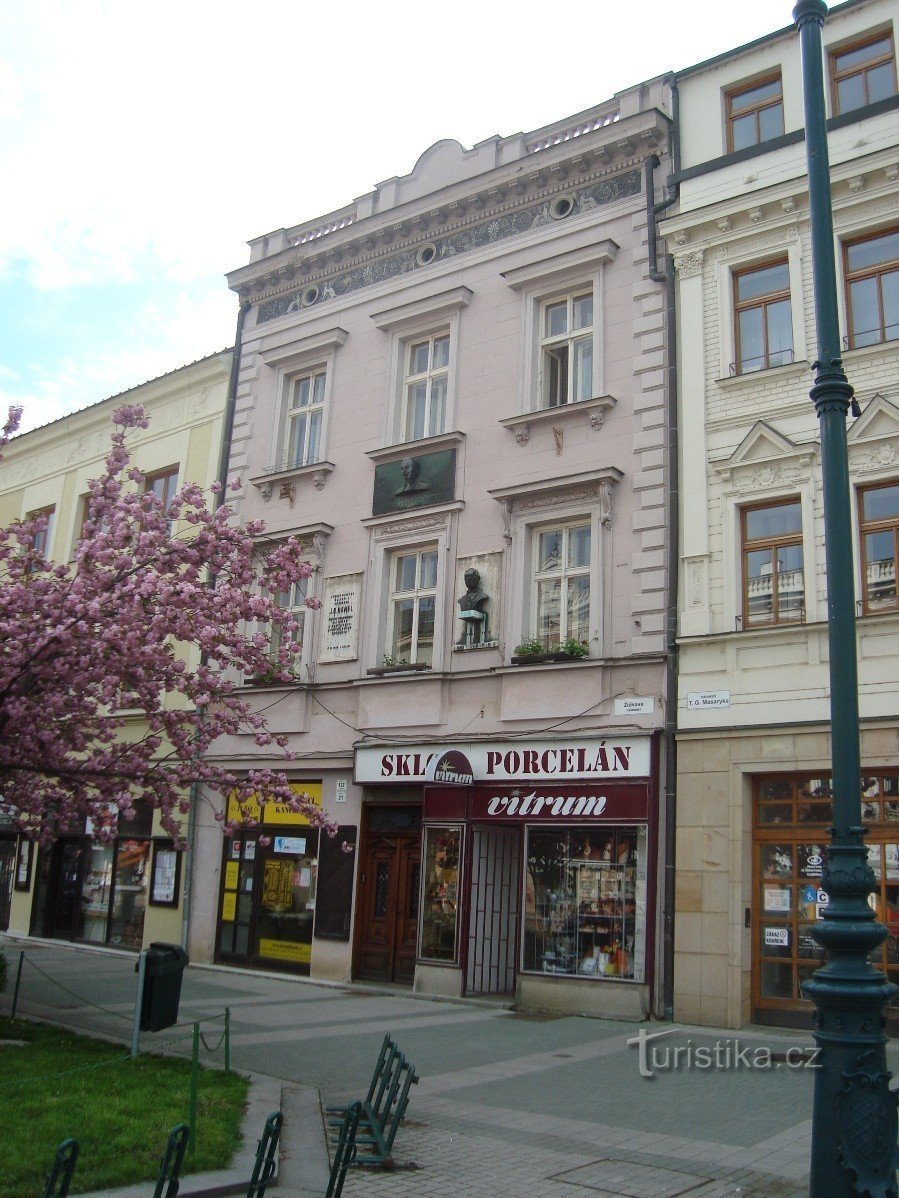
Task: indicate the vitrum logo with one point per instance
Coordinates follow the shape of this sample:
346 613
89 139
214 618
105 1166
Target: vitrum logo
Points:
453 768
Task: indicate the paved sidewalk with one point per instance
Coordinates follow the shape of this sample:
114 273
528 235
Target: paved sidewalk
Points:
508 1104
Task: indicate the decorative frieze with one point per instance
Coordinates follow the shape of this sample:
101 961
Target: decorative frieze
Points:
461 241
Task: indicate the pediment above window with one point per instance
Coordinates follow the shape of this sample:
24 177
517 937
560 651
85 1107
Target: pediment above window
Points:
548 267
766 453
874 439
434 307
879 420
296 351
592 486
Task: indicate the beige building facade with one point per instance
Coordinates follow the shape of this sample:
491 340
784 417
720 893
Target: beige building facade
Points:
753 744
454 392
134 891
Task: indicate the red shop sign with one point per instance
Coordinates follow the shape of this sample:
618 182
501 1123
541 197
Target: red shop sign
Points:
584 802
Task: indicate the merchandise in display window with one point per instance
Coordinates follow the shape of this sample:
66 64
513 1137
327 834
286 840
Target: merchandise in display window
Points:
132 885
439 916
789 861
585 902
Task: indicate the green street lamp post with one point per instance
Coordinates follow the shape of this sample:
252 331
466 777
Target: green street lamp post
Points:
854 1128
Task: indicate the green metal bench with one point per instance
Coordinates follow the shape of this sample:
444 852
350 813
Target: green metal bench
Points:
382 1110
60 1176
167 1182
379 1080
378 1127
264 1168
345 1150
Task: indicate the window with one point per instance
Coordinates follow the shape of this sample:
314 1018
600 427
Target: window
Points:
566 349
41 540
773 574
562 583
411 602
862 73
585 900
763 317
425 384
293 602
879 528
439 916
163 484
755 113
305 411
872 287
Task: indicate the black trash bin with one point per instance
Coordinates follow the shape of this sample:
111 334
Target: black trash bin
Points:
162 986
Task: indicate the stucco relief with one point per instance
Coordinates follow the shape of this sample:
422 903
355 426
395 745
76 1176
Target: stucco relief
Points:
496 228
765 477
696 591
873 457
403 526
688 266
571 496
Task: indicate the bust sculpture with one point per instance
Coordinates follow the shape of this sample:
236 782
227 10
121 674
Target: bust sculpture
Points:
410 468
471 611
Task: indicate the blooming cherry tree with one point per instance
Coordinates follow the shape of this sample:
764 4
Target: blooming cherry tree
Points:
148 591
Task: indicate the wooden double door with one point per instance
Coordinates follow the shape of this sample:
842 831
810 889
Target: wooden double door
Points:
388 895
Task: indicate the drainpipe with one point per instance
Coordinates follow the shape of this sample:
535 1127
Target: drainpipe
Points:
227 432
666 277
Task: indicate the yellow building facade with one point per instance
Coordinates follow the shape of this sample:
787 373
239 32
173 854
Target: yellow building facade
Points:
131 892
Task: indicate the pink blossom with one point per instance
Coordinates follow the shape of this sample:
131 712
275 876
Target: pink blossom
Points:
85 642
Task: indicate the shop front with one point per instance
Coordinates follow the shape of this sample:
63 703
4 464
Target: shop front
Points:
792 813
537 870
284 884
116 893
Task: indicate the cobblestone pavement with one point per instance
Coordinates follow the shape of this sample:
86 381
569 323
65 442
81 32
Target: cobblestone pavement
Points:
508 1104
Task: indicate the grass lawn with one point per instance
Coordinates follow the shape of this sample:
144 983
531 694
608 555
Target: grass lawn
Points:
120 1111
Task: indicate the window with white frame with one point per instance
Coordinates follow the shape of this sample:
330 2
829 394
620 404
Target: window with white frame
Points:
763 317
425 386
411 602
566 349
561 583
303 418
293 603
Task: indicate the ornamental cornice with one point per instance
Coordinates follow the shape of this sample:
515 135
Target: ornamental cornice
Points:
482 221
688 266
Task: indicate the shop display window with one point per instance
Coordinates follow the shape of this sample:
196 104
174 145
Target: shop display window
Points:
440 908
585 902
792 814
95 892
132 884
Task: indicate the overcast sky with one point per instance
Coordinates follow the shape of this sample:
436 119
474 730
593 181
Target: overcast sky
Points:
142 145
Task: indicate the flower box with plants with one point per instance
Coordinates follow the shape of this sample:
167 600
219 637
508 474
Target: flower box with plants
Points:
534 652
398 665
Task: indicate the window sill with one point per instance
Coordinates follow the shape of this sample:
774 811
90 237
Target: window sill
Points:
543 659
793 370
285 479
407 668
402 449
867 351
594 409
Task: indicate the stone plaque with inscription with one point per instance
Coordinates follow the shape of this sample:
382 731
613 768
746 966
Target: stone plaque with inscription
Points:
340 623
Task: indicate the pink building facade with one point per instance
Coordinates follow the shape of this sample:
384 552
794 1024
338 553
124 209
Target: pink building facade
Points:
454 391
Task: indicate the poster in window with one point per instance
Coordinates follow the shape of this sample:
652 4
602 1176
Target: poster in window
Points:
165 876
24 853
340 618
